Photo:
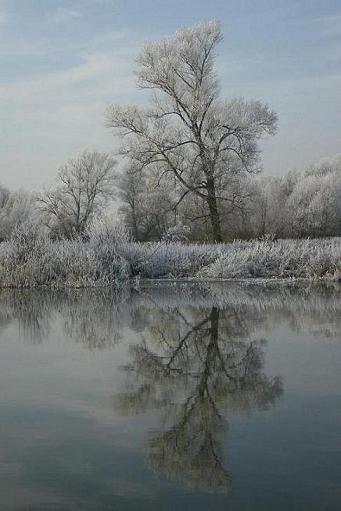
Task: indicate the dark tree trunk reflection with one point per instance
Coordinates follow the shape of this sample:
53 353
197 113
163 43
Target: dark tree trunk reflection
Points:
195 366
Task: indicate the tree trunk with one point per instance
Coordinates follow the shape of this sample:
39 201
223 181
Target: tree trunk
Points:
134 222
214 213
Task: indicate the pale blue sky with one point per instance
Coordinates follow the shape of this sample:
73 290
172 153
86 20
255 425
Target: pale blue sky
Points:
63 62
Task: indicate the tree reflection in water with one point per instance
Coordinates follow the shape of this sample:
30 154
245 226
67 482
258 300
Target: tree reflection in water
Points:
198 358
195 366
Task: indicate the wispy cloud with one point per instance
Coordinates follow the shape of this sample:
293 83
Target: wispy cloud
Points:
97 71
39 111
48 46
330 25
63 15
3 16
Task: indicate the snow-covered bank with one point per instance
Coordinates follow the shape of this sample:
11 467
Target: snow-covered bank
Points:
282 259
32 259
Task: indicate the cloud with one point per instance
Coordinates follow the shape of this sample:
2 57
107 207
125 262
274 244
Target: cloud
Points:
50 117
63 15
51 46
3 17
329 25
94 77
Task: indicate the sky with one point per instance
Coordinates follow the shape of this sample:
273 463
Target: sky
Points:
63 62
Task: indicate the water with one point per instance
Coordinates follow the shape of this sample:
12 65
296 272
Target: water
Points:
173 397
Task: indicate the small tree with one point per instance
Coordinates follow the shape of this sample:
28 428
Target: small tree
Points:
188 132
85 185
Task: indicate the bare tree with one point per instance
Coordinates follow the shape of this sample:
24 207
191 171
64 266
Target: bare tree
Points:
188 131
86 184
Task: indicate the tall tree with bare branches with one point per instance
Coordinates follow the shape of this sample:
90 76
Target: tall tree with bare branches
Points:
188 131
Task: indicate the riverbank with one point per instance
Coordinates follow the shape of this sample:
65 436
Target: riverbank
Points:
31 259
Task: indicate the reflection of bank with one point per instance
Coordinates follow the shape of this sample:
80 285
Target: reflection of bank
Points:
96 317
195 366
92 317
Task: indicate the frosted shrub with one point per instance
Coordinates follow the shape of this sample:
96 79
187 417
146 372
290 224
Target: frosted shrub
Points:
177 260
107 240
31 259
74 264
28 241
178 233
22 257
136 255
106 230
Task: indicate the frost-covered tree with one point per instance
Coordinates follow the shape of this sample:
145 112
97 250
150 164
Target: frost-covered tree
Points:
188 132
310 201
85 184
299 204
316 200
267 213
147 205
15 208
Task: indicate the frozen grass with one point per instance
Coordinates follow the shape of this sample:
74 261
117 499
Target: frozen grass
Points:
314 259
311 259
31 259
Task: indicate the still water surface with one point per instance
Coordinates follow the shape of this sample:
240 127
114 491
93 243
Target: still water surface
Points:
172 397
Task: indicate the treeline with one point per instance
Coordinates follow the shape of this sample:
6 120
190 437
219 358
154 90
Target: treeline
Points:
300 204
297 205
85 188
